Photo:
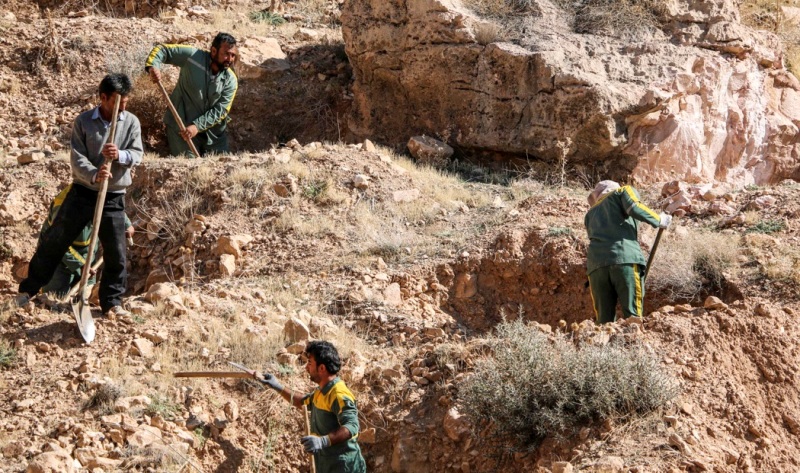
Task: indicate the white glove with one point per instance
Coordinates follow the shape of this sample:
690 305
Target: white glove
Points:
666 219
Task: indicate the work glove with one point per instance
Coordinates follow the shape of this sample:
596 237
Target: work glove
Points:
666 219
272 382
313 444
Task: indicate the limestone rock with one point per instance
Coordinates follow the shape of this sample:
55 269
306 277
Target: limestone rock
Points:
455 425
714 303
30 157
409 195
233 244
52 462
295 330
227 265
261 56
430 151
392 295
360 181
704 104
161 291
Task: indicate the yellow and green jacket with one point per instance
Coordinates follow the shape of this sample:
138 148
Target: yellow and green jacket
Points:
612 225
75 257
200 97
334 406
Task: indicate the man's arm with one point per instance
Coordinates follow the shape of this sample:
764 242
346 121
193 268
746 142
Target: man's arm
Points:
219 111
175 54
132 147
79 154
634 208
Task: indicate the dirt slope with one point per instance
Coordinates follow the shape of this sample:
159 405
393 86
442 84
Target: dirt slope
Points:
405 269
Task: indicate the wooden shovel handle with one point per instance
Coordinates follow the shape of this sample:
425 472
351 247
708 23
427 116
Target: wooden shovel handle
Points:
176 117
98 207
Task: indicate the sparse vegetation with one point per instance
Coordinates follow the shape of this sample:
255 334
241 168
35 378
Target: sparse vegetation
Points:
683 266
769 15
268 17
530 387
767 226
160 405
8 354
104 398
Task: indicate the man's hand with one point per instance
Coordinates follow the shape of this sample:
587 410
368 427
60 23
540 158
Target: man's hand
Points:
103 173
666 219
272 382
110 152
189 133
155 75
313 444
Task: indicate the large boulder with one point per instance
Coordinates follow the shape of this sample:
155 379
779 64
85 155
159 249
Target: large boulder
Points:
699 98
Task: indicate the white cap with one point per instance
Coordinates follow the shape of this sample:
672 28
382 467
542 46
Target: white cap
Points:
602 188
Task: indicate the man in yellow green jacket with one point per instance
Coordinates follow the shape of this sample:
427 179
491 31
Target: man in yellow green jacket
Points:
614 261
203 95
334 416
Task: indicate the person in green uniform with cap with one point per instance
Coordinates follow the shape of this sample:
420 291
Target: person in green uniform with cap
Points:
203 95
69 271
334 415
614 261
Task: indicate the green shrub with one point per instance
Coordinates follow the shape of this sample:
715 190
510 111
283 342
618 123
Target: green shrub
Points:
530 387
767 227
268 17
7 353
163 406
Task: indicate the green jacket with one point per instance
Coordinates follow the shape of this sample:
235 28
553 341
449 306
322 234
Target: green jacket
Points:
613 229
200 97
334 406
75 257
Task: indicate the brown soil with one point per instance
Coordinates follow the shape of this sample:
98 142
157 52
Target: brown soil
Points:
465 256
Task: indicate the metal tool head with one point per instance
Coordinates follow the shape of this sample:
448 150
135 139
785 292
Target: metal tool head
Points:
83 316
241 367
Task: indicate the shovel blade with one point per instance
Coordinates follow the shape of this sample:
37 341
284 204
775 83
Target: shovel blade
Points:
83 316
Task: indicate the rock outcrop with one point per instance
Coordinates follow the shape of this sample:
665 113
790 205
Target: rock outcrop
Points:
701 97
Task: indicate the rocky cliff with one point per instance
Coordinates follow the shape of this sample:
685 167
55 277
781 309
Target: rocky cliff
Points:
698 97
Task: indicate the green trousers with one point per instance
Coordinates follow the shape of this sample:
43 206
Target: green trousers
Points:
179 147
619 282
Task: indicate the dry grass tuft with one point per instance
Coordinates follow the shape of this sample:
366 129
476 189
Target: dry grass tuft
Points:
623 18
769 15
488 32
683 266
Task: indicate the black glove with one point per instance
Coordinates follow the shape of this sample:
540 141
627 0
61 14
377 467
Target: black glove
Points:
272 382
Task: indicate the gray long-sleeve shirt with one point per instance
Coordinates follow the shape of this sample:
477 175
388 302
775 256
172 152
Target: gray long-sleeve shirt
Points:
89 134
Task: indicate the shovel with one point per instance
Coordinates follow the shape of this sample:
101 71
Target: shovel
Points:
177 117
80 303
652 254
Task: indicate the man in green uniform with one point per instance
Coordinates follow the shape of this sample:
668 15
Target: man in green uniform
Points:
334 416
203 95
69 271
614 261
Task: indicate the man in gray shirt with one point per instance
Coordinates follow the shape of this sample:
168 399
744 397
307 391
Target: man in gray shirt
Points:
93 161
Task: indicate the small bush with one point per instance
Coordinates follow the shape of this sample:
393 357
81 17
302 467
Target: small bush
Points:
104 398
530 388
268 17
615 17
162 406
488 32
8 354
767 227
501 8
682 267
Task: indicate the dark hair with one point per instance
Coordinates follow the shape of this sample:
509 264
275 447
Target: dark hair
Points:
119 83
325 353
223 38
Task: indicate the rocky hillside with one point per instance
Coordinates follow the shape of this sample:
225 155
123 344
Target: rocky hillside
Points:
407 269
679 90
